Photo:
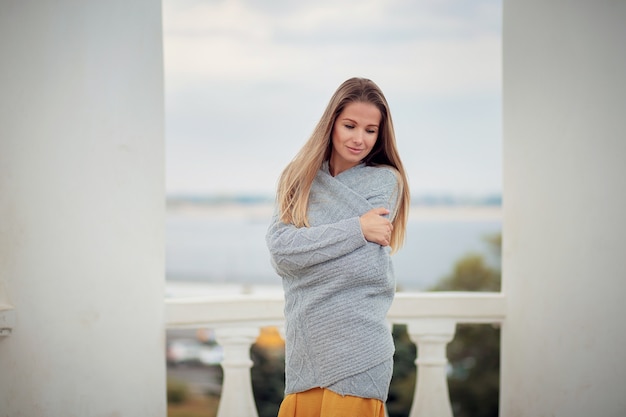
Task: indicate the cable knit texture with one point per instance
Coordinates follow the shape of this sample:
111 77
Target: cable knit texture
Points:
338 286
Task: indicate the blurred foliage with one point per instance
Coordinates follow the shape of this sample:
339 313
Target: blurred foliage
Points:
177 391
268 375
471 273
195 406
474 354
181 402
474 376
404 375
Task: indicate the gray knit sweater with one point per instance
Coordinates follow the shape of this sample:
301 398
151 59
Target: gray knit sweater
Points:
338 286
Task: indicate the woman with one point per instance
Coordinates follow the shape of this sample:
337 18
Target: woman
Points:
342 208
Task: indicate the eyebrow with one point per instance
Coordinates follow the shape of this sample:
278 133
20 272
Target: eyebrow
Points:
354 121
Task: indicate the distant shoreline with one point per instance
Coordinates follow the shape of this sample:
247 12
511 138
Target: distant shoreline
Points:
262 211
456 213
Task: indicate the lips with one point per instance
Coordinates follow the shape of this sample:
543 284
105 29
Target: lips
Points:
354 150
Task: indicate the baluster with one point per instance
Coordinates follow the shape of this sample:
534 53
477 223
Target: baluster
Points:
237 398
432 398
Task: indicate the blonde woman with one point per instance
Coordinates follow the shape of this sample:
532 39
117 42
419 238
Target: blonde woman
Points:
342 208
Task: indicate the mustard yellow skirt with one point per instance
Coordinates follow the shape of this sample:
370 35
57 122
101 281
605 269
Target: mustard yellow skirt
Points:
320 402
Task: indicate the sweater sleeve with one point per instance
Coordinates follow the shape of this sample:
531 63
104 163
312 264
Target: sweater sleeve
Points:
294 248
387 192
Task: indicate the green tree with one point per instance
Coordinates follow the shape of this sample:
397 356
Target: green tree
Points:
268 378
402 385
474 354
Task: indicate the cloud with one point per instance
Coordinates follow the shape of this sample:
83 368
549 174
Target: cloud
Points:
431 52
247 80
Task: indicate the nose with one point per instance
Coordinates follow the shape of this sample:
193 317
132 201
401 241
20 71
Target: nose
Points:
358 137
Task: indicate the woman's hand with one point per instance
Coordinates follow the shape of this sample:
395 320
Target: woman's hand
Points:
375 227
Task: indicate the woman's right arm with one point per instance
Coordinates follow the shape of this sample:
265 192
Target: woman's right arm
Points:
294 248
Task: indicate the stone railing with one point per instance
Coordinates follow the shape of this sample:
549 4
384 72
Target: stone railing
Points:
431 320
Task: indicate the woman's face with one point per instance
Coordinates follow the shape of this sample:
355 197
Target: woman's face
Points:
354 134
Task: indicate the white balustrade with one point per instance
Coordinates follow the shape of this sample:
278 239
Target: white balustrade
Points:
431 391
236 364
236 321
431 319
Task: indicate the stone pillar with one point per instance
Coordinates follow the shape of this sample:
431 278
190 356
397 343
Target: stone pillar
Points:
82 208
432 396
237 398
564 231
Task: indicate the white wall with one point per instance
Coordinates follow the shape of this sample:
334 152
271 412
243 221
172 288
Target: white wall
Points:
81 208
564 259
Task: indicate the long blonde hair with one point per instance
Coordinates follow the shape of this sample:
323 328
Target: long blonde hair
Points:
295 182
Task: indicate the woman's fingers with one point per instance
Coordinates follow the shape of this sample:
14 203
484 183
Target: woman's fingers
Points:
375 227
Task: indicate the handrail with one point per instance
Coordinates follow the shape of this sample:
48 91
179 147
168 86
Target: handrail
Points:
224 310
464 307
431 319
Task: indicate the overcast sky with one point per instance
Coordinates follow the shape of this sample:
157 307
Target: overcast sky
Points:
246 82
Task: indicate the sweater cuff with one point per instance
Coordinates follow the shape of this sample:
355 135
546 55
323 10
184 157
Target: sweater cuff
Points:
358 231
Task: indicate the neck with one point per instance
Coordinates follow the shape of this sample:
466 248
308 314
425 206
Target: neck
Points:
336 169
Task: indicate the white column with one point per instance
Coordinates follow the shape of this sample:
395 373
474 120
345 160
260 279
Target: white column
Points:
431 391
82 208
564 228
237 398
